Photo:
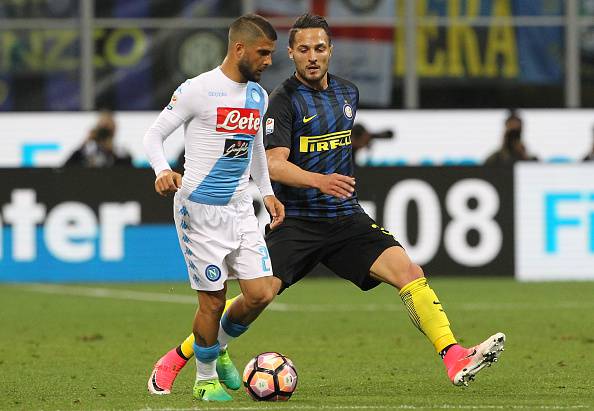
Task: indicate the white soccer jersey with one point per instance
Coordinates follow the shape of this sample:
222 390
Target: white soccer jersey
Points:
223 137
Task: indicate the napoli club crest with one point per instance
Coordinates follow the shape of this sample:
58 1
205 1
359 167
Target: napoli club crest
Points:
212 272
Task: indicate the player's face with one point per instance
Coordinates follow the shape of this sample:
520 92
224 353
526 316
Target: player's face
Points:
311 53
255 58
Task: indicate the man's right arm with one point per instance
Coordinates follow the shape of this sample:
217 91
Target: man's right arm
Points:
287 173
179 110
167 181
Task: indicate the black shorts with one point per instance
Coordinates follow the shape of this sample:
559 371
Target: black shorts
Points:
347 245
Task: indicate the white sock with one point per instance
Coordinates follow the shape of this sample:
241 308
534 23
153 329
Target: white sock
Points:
206 370
223 338
232 331
206 361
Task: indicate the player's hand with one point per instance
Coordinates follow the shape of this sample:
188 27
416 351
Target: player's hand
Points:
336 185
168 182
276 210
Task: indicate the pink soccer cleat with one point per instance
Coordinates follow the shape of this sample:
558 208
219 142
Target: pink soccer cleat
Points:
463 364
165 372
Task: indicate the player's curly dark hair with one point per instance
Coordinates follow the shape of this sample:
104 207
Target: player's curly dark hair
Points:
308 21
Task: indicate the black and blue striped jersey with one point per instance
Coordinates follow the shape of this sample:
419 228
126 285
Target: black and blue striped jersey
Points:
316 126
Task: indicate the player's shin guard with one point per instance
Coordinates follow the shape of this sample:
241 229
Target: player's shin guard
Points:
229 330
427 314
206 361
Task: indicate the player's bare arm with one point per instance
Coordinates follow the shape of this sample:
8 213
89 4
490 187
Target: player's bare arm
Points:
168 182
288 173
276 210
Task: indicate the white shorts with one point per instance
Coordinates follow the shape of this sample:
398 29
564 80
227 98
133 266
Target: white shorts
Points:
220 242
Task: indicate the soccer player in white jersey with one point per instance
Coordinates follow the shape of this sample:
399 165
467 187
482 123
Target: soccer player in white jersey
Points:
221 111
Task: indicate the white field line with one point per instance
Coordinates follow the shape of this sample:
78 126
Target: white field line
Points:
285 406
95 292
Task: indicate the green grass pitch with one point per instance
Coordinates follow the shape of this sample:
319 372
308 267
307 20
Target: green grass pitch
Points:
92 347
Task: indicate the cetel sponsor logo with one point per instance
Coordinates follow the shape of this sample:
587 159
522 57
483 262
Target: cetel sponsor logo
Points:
238 120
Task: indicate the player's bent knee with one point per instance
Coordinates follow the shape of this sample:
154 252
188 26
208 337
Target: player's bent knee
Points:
261 298
395 267
276 285
411 273
415 271
408 271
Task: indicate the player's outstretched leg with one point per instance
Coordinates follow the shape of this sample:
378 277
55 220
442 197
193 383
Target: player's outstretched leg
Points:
463 364
168 367
427 314
256 295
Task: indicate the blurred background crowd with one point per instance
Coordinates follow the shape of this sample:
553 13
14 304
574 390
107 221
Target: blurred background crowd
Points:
129 55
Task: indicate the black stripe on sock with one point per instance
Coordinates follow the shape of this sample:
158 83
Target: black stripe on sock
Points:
179 352
443 352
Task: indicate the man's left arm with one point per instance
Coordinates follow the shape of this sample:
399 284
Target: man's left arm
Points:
259 172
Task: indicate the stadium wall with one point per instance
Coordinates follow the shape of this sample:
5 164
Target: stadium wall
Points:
87 225
422 137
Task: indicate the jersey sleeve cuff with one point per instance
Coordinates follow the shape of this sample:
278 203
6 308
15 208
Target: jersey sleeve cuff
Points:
266 191
158 169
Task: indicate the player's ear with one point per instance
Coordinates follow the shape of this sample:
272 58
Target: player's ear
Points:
239 49
331 48
290 52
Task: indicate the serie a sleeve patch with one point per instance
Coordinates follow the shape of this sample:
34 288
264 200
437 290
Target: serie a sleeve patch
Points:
269 126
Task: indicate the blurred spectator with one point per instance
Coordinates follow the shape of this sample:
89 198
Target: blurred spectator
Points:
361 137
512 149
590 155
513 121
98 149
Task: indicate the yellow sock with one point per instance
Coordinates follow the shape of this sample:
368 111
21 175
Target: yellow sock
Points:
187 347
426 313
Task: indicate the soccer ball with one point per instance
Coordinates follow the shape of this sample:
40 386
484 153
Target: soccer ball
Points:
270 376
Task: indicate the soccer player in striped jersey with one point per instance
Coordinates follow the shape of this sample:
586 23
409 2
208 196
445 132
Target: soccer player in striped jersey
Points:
222 112
307 137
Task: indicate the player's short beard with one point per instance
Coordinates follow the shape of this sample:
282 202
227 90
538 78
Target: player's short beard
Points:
246 71
303 74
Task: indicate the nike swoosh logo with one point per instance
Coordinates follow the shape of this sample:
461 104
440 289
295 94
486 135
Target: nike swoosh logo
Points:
308 119
471 354
436 302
